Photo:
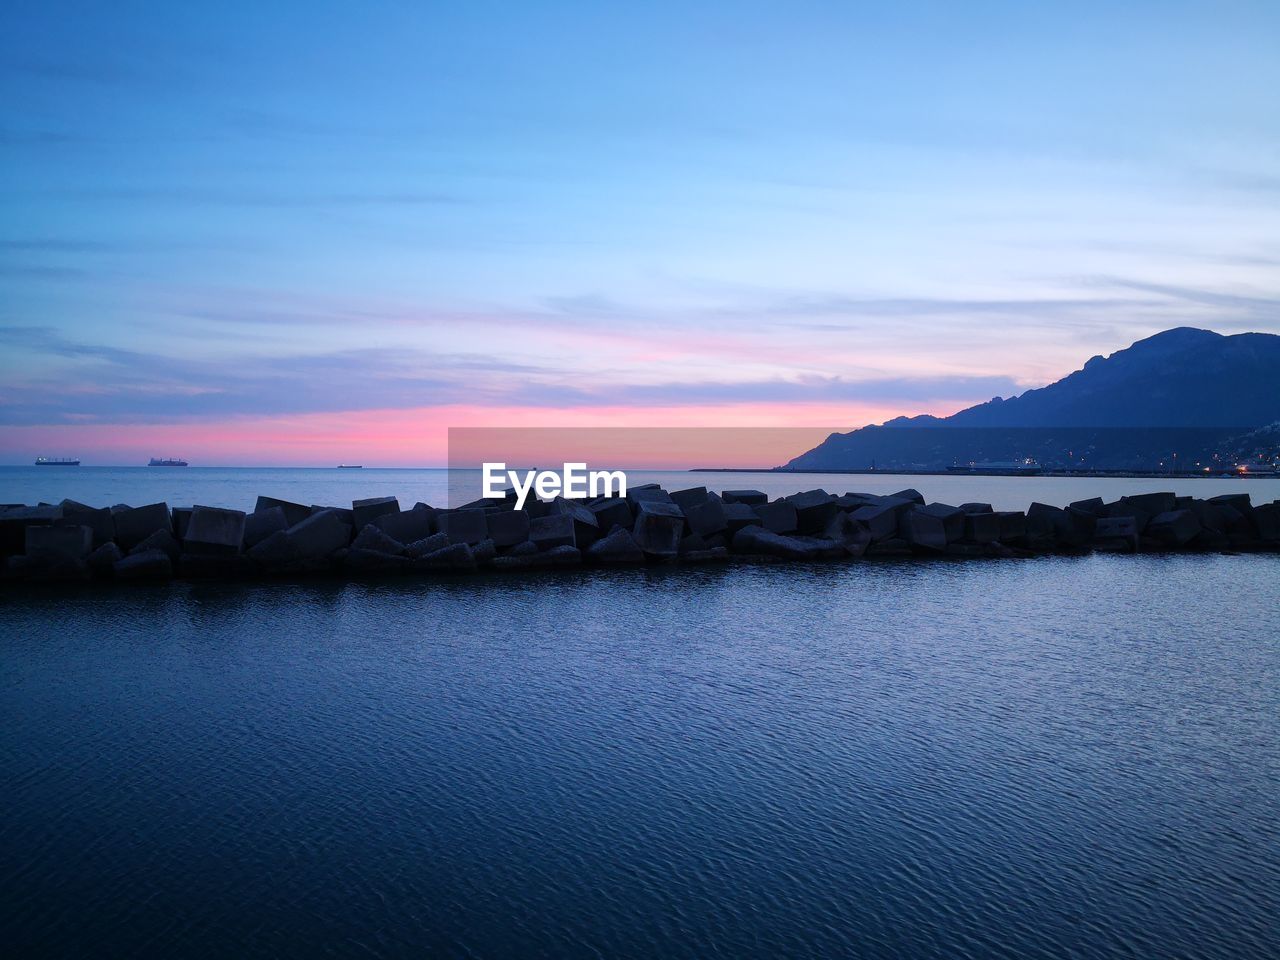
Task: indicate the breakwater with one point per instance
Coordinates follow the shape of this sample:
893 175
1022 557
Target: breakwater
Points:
72 541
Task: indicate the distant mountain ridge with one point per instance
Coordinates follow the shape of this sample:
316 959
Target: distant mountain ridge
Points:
1183 388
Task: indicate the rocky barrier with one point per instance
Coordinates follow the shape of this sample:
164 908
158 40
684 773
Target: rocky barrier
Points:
73 542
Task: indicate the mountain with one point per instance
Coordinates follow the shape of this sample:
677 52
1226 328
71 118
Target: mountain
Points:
1185 391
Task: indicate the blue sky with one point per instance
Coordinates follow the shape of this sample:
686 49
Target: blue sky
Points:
216 216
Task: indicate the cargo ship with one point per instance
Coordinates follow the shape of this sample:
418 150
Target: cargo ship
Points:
999 468
57 462
166 462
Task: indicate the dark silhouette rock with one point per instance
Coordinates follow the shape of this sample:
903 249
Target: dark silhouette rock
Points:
749 497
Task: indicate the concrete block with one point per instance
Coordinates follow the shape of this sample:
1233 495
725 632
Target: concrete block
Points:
778 516
1093 506
684 499
509 527
163 541
923 530
59 542
345 514
910 494
881 520
738 515
145 565
1267 519
372 539
420 548
617 547
612 512
484 551
455 558
708 517
814 510
1173 528
180 518
981 527
275 551
99 520
749 497
465 525
406 526
1013 526
758 541
262 523
213 531
294 513
366 511
852 536
647 493
319 535
968 508
952 519
360 561
586 528
1151 504
102 561
556 530
1116 534
136 524
658 529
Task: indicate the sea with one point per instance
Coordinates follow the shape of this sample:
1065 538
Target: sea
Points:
239 487
1060 757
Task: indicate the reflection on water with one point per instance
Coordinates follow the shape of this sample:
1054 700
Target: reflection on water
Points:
1069 756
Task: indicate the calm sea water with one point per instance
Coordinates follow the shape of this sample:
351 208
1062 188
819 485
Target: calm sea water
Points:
1061 757
239 487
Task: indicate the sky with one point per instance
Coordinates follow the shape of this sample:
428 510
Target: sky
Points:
310 233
